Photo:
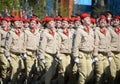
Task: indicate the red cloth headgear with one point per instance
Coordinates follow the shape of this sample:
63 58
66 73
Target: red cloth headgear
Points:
84 15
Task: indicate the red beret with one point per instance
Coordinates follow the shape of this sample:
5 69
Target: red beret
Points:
26 21
103 17
84 15
93 20
22 19
0 17
38 20
7 19
15 19
58 18
65 19
33 18
77 19
116 17
71 19
48 19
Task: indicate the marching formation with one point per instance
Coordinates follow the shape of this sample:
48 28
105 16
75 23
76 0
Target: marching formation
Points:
76 50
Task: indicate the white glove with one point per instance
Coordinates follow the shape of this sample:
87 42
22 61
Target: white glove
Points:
58 59
38 69
95 59
76 60
8 58
43 61
110 58
24 56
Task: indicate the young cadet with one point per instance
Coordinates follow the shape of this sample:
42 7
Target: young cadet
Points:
15 48
65 47
83 46
32 43
4 64
115 45
48 49
103 57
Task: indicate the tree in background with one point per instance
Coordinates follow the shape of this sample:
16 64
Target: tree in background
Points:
10 4
38 7
98 7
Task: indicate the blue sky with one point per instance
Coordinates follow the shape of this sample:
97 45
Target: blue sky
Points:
83 2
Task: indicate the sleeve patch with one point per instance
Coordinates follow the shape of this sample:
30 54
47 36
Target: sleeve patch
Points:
7 36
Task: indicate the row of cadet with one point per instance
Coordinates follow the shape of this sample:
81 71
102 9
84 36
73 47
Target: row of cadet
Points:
58 50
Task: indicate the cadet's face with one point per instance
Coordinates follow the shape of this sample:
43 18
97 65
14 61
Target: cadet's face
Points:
93 25
65 24
58 24
17 24
4 23
51 24
103 23
26 25
77 23
9 23
33 24
39 24
109 16
116 22
111 22
71 25
87 20
21 23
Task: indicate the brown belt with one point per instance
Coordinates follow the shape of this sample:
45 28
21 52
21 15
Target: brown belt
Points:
87 52
67 53
115 52
33 51
103 53
16 53
51 54
2 46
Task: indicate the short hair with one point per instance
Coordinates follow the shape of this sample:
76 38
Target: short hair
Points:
109 12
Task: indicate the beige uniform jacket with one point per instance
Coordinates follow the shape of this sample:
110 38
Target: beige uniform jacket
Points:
102 42
48 43
83 41
115 40
2 37
2 40
15 43
32 39
72 31
65 42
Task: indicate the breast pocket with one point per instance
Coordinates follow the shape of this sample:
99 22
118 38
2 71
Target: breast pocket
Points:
30 38
50 40
114 39
15 41
64 39
63 42
84 38
102 40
